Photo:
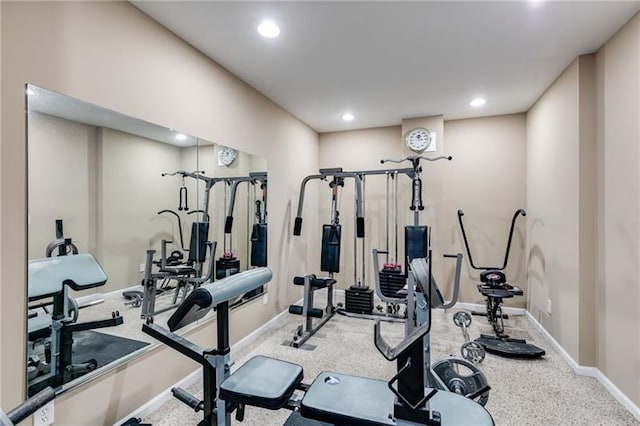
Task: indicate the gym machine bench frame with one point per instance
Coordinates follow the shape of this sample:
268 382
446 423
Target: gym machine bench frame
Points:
407 403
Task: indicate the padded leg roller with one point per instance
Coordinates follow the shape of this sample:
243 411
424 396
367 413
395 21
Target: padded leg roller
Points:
313 312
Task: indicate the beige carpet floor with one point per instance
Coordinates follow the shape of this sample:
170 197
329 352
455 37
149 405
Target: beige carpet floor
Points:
524 392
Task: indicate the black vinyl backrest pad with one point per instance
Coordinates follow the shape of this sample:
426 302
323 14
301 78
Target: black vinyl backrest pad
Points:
262 382
259 245
493 276
416 242
330 254
198 243
194 307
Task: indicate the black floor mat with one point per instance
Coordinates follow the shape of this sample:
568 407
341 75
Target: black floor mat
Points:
104 348
510 348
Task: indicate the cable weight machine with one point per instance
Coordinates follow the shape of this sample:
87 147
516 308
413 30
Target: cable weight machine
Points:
330 253
391 279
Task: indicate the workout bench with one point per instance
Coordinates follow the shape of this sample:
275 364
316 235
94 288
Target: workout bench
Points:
334 398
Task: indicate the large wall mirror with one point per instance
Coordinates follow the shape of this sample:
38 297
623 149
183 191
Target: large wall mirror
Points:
125 219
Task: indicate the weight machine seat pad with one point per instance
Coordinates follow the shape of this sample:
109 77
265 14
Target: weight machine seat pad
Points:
48 276
262 382
357 401
315 282
501 292
342 399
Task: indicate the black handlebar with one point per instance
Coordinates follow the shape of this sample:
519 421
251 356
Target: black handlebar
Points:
506 254
415 159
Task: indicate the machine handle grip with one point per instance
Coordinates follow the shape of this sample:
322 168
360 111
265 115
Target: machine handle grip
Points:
188 399
228 224
297 226
31 405
360 227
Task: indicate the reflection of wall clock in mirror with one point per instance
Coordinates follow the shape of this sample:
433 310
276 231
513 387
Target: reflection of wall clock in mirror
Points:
418 139
226 156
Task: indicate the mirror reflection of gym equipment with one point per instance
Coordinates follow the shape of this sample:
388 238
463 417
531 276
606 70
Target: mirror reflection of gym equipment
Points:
115 205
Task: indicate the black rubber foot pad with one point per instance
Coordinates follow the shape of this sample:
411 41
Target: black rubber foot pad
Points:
510 348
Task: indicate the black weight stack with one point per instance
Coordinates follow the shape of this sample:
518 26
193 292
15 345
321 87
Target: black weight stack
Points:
359 300
224 264
392 280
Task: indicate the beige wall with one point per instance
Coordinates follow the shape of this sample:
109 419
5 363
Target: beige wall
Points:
618 276
488 161
112 55
60 153
487 181
584 198
131 192
553 189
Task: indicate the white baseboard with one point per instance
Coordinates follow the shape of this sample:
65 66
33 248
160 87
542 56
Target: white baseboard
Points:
166 395
161 399
589 371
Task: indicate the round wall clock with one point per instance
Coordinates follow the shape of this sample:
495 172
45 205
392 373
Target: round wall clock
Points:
418 139
226 156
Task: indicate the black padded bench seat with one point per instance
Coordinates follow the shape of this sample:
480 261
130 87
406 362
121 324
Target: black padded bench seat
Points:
349 400
502 292
262 382
357 401
315 281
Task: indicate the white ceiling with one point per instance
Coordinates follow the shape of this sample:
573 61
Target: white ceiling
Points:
385 61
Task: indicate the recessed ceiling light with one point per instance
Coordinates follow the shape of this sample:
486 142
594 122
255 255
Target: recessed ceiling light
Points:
268 29
477 102
347 116
181 136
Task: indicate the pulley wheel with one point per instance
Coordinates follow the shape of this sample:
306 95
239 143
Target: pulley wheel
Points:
464 378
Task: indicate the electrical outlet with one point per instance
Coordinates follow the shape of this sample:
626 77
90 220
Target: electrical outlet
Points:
265 298
44 416
549 306
142 267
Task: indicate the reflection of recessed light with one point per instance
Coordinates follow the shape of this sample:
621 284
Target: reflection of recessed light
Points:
347 116
268 29
477 102
181 136
30 92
